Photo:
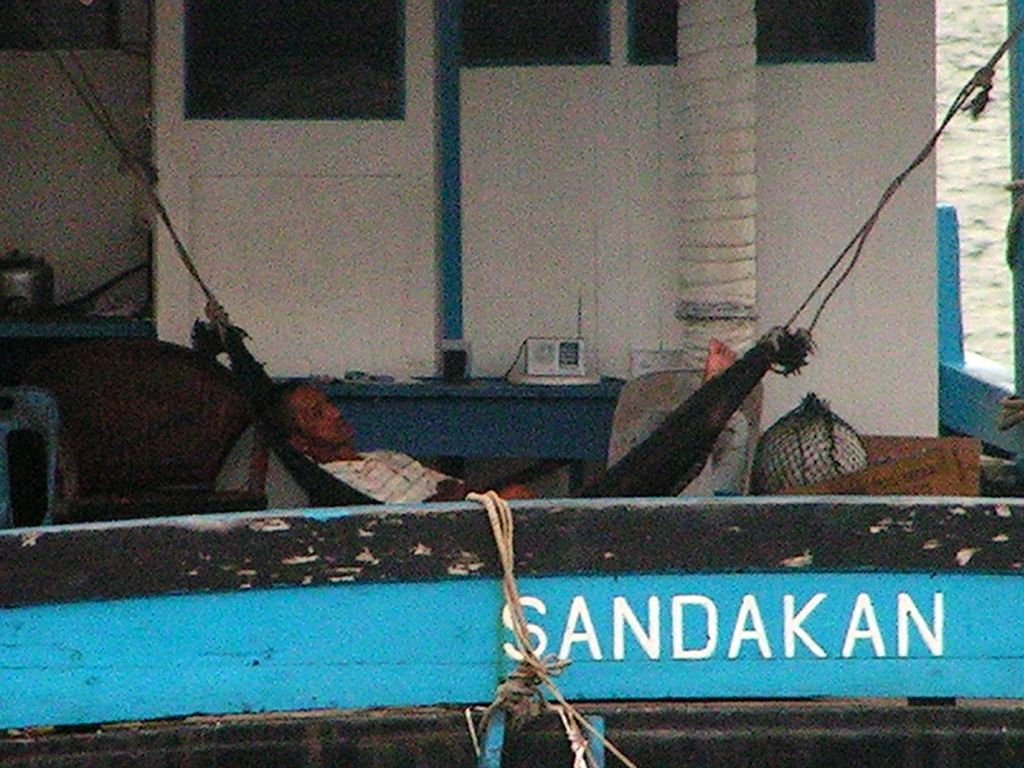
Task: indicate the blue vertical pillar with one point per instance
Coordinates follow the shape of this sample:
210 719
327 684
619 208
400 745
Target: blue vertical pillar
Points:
1015 9
951 326
596 744
494 741
448 40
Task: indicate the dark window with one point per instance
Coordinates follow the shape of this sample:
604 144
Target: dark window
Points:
653 26
294 59
58 24
815 30
510 32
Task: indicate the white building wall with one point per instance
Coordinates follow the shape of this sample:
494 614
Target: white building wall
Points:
550 220
830 139
588 193
319 237
564 211
66 196
566 207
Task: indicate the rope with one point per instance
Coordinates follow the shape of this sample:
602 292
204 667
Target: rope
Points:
973 97
581 756
143 172
519 693
1011 412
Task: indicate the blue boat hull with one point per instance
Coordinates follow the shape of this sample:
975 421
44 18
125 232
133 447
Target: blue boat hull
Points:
775 623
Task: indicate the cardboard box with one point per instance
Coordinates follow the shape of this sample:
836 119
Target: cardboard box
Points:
909 466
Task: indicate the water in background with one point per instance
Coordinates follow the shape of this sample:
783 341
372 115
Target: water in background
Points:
973 168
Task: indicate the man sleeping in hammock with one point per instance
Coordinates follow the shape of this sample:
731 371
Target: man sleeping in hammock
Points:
662 464
316 428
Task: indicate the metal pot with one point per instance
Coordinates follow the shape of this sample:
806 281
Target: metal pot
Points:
26 284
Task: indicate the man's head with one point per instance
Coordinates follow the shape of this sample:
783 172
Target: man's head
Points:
314 424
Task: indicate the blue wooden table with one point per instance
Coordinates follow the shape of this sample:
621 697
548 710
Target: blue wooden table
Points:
481 418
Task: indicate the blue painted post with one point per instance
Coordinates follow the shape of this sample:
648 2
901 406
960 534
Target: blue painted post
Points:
1015 9
950 317
494 740
449 44
596 744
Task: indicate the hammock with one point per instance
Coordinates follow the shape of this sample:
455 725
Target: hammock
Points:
673 454
660 465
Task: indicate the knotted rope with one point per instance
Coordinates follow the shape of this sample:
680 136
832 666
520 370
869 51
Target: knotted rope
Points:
520 693
1011 412
973 98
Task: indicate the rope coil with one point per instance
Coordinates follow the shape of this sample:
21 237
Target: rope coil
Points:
520 693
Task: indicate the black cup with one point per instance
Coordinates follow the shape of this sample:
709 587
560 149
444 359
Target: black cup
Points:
453 364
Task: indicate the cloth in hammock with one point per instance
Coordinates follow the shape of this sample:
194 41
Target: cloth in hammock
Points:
388 476
665 462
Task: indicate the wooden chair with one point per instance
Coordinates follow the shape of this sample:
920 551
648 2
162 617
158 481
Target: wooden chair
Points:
146 427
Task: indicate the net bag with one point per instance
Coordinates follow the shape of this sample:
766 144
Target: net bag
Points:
808 445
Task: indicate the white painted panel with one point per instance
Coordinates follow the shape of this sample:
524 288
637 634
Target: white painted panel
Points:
316 271
830 138
637 290
529 213
563 208
224 180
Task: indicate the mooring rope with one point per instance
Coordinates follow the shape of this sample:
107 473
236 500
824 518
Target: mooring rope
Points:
519 693
973 97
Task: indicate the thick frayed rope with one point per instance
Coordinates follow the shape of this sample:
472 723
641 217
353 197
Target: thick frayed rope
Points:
520 693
